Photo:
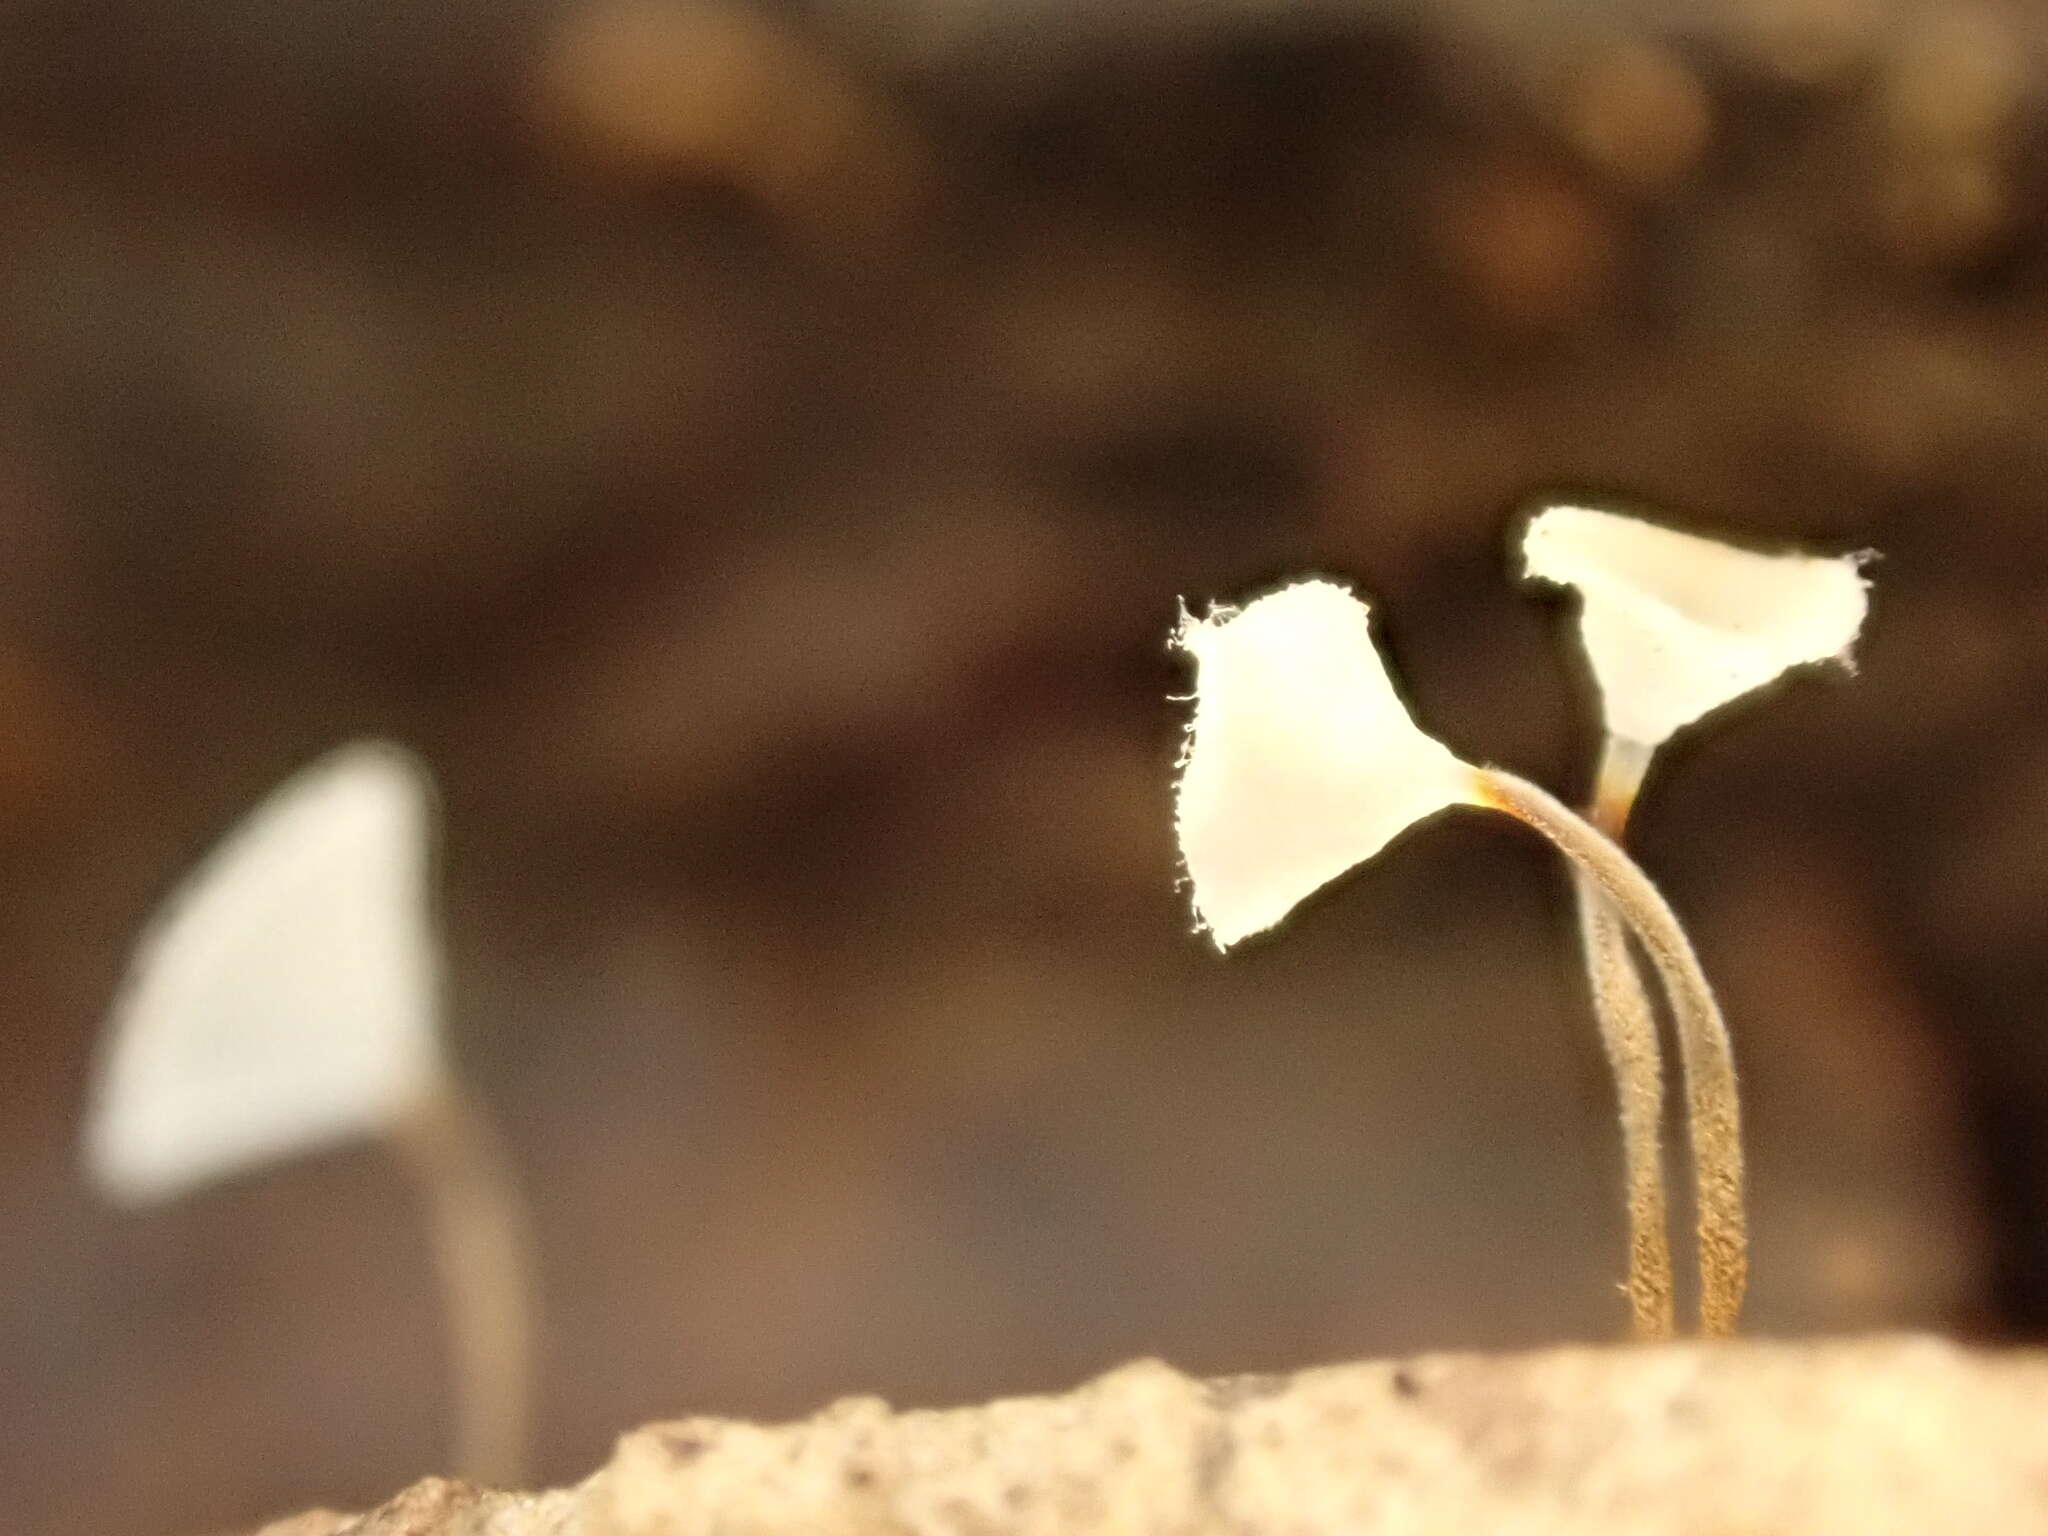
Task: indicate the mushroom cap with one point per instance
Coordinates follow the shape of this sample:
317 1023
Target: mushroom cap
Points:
1677 625
1301 759
286 995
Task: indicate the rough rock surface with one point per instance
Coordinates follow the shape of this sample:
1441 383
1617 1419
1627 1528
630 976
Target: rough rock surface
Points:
1905 1434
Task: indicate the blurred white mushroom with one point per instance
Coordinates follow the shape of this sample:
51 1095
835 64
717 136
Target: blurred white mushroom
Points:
285 998
1675 626
1302 762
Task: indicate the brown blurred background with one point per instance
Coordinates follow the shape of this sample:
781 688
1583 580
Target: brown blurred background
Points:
755 454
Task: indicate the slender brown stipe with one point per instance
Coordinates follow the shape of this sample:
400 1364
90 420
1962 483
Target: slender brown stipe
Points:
1704 1047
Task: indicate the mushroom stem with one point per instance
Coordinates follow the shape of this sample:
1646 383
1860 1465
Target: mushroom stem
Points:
1711 1104
1617 782
1628 1031
477 1222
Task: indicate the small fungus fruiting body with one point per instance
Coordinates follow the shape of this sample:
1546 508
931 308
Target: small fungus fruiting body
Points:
288 997
1675 626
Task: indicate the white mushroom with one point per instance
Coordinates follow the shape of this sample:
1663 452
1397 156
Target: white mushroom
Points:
1675 626
286 998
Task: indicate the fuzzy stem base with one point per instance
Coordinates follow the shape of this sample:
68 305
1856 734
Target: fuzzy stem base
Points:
1628 1031
477 1222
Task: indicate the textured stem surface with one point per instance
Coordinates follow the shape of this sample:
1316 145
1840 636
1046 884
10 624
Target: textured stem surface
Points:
1705 1051
1628 1031
477 1222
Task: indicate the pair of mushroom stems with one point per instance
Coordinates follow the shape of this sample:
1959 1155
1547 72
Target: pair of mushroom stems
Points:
479 1233
1615 899
483 1253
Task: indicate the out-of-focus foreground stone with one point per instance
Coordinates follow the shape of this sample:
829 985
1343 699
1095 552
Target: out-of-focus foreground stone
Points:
1902 1434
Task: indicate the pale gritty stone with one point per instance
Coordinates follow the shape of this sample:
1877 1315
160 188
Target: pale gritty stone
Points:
1887 1435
